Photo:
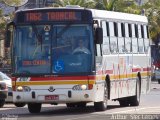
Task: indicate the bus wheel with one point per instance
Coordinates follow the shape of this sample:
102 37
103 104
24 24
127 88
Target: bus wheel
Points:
19 104
2 102
101 106
158 81
34 107
135 100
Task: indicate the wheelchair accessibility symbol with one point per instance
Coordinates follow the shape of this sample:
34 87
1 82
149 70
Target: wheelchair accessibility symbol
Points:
59 66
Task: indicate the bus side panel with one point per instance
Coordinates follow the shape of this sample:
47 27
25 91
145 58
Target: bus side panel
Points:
110 67
125 68
140 64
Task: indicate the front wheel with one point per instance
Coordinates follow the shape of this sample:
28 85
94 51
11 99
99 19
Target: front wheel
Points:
101 106
34 107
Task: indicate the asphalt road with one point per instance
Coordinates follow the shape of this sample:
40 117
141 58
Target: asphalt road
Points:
149 109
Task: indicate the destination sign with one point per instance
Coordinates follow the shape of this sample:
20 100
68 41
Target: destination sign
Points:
49 15
53 16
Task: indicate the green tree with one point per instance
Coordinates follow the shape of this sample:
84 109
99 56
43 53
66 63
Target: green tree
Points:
82 3
152 11
105 4
2 25
3 21
13 2
127 6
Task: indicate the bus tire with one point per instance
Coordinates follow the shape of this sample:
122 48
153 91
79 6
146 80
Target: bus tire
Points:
34 107
158 81
135 100
19 104
102 106
2 102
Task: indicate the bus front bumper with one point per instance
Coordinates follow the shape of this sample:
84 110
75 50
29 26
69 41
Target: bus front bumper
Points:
44 96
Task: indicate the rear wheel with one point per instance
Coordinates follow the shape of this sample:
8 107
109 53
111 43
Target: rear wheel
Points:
34 107
2 102
101 106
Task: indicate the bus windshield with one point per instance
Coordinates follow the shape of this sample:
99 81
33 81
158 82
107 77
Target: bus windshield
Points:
53 49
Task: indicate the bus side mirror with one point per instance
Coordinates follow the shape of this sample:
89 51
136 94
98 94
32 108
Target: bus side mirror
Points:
7 38
99 35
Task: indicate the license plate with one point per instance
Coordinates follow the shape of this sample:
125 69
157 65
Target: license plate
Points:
51 97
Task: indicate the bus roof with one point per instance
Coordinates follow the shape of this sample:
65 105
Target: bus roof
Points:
118 16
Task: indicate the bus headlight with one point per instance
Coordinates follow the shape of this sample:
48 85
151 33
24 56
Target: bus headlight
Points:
84 87
19 88
23 88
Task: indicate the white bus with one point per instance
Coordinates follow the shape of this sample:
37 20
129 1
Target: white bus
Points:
114 63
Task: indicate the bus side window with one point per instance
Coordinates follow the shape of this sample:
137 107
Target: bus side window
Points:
123 29
120 39
140 40
128 35
130 30
134 38
105 48
113 38
146 40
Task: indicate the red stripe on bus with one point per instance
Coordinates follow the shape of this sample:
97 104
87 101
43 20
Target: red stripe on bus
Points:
105 72
109 71
62 78
147 69
136 69
99 72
